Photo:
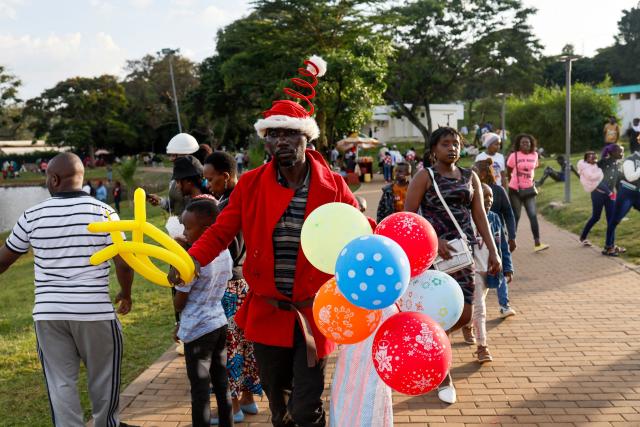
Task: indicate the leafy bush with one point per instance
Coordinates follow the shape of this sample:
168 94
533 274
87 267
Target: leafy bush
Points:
542 115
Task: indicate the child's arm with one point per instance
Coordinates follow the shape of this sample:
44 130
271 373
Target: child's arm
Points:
180 300
507 265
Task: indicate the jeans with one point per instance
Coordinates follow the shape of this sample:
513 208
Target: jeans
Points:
529 206
599 200
206 360
294 390
503 293
387 171
624 202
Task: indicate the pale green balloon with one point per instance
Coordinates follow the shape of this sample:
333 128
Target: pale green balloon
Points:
327 230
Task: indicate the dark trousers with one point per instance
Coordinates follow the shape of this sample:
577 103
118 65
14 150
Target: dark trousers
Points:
206 360
625 200
599 200
529 206
294 390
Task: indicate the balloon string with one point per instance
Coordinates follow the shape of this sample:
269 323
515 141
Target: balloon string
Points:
305 84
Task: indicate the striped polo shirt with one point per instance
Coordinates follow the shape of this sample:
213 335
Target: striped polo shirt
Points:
286 237
67 286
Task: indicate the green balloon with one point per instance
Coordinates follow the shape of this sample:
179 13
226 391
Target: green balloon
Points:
327 230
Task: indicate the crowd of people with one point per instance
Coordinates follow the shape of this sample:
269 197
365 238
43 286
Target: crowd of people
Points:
245 322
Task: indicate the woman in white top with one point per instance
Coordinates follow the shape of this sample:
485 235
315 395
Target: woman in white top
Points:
492 142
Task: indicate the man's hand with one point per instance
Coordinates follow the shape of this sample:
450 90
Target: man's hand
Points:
509 276
174 275
125 303
512 245
154 199
444 249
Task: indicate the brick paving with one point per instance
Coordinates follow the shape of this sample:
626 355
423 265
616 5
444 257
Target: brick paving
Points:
571 357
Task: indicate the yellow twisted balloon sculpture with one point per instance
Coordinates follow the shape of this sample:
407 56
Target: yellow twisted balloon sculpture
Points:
136 253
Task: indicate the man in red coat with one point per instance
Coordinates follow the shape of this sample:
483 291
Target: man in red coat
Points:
269 205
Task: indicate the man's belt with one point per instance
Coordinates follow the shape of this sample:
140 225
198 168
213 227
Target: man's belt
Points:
312 354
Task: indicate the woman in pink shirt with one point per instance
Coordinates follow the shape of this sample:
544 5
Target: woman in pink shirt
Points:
521 166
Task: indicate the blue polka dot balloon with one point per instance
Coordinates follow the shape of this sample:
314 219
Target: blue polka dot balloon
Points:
372 272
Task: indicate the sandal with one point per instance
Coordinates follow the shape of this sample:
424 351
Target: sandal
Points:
586 243
620 249
610 252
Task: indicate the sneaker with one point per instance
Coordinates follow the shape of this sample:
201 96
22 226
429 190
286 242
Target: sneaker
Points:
447 394
540 247
250 408
467 333
483 354
238 417
507 312
180 348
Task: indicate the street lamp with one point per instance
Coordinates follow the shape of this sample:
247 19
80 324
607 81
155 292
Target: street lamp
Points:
567 59
170 53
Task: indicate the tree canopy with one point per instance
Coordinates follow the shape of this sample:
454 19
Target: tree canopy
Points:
455 49
83 113
258 55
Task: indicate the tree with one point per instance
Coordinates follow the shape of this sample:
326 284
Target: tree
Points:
542 115
83 113
258 55
447 48
151 108
617 61
9 103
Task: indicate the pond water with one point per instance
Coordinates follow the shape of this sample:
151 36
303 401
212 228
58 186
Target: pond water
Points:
14 201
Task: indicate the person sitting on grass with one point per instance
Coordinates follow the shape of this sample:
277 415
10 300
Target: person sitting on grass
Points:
203 324
557 176
394 194
485 280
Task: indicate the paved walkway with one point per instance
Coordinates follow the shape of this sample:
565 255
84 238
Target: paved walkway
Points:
571 357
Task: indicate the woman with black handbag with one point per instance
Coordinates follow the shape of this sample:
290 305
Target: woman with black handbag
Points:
521 166
450 198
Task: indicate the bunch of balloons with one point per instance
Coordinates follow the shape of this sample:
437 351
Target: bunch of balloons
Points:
375 269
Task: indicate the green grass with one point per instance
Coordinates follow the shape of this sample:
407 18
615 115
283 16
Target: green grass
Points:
147 334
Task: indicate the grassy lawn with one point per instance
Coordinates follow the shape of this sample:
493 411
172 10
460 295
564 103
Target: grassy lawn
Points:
147 334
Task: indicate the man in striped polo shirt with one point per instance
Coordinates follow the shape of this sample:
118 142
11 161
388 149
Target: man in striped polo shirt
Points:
73 314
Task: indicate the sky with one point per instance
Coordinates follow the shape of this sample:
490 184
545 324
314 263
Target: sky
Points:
46 41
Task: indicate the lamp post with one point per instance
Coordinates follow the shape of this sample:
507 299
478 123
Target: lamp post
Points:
567 59
170 53
503 116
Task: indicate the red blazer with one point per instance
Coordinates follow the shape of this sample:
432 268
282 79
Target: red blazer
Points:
255 206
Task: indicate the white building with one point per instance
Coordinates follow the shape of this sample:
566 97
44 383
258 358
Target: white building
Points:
388 126
27 146
628 103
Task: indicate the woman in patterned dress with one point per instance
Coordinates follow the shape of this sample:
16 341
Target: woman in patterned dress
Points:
462 191
221 174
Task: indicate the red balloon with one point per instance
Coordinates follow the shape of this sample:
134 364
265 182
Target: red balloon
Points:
411 353
415 235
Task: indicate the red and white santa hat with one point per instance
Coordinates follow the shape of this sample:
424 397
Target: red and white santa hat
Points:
291 115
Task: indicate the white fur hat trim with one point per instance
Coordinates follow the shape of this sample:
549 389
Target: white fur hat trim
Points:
308 125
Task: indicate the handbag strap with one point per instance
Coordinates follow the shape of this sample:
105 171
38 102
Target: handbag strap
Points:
517 174
446 207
